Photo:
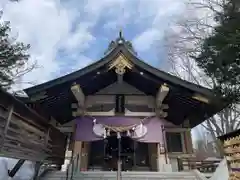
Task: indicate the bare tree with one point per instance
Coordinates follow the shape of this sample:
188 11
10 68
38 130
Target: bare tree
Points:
204 147
183 41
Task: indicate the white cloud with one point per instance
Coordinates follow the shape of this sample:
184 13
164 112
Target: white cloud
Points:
145 40
51 26
46 25
79 40
161 13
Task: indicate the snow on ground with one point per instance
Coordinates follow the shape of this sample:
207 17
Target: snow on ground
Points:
221 172
25 172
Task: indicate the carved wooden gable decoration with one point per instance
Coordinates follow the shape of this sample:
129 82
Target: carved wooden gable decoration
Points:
121 63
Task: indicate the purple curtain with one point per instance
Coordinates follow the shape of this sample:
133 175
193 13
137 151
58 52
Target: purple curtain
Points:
84 131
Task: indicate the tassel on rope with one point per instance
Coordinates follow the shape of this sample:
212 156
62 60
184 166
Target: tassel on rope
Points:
118 135
108 132
105 133
141 127
94 121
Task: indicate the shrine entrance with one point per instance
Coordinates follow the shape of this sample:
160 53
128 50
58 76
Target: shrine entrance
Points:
104 154
119 149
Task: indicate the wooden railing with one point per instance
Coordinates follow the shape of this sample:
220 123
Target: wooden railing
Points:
24 134
73 167
207 166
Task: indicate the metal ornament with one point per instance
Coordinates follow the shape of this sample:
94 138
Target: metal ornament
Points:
139 131
99 130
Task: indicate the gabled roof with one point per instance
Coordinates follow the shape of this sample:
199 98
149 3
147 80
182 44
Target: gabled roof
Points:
121 48
56 93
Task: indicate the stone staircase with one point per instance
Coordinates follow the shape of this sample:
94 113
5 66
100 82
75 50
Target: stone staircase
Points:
104 175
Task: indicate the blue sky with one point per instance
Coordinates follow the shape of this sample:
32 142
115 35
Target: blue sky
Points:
70 34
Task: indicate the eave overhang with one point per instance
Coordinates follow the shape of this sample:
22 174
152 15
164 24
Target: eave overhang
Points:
98 75
121 49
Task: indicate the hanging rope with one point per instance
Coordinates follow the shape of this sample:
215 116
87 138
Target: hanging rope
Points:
119 128
138 129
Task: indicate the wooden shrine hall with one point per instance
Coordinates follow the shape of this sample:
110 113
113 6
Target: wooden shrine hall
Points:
27 135
120 109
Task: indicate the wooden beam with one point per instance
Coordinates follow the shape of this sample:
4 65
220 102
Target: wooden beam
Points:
24 137
120 79
161 112
201 98
110 99
112 113
53 121
79 95
66 129
108 113
161 95
138 114
39 96
9 118
176 129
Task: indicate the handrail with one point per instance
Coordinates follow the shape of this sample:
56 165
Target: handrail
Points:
119 170
204 166
72 165
45 168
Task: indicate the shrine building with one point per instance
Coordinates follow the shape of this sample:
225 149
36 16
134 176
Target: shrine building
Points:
120 109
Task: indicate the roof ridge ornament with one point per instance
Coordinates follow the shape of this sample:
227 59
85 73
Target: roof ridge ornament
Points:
120 40
120 34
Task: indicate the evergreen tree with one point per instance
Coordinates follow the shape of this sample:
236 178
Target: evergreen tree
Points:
220 54
13 57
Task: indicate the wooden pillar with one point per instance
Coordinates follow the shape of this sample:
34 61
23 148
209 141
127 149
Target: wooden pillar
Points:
76 146
84 156
160 158
152 150
188 141
82 148
78 151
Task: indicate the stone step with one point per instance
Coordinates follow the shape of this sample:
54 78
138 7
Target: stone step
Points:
103 175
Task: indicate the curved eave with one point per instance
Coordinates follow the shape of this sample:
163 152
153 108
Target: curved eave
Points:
180 97
68 77
216 104
168 77
20 107
121 48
